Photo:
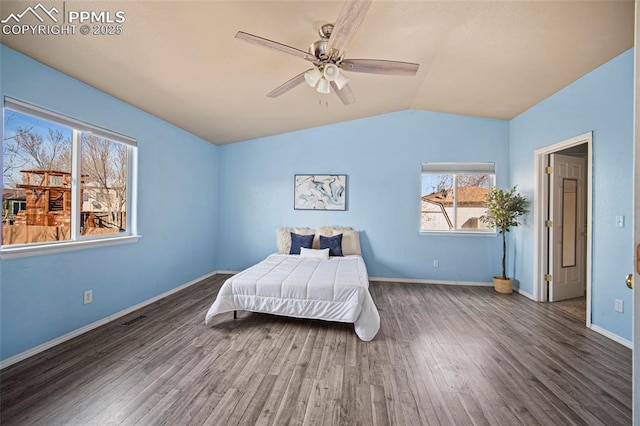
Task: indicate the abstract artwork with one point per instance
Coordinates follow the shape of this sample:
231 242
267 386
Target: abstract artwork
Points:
320 192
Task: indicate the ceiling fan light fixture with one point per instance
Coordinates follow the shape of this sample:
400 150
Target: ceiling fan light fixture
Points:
323 86
341 81
331 72
312 77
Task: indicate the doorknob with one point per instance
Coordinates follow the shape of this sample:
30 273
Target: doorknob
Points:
629 281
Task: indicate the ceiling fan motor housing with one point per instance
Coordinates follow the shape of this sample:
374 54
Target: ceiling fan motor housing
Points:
319 49
325 31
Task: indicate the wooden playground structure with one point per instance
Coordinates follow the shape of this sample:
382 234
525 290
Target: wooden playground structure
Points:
48 196
47 216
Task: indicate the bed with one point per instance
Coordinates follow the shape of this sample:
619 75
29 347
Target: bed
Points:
305 285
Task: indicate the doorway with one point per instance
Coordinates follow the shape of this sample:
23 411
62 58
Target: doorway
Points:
562 226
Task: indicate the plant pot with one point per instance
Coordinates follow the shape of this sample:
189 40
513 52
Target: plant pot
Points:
503 286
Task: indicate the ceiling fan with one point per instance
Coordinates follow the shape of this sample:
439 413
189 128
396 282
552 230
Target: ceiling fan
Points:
327 56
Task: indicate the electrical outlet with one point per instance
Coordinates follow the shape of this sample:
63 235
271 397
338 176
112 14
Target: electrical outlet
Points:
619 305
436 263
88 297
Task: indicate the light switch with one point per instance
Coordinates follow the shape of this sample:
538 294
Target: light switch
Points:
619 221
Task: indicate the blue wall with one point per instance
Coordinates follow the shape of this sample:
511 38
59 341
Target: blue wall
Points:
221 211
41 297
602 102
382 158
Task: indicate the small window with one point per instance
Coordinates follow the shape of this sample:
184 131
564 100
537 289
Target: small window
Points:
64 180
453 196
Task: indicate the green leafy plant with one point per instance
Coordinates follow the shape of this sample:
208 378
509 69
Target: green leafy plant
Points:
504 209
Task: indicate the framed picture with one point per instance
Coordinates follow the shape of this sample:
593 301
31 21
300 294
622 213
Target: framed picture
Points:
320 192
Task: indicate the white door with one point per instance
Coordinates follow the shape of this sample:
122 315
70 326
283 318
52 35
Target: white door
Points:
568 231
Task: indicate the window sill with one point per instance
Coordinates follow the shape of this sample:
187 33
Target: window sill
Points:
7 253
459 233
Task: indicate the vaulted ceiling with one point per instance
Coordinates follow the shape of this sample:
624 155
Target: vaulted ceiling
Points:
179 61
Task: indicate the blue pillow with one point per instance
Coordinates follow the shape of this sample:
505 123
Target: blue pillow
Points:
334 244
298 241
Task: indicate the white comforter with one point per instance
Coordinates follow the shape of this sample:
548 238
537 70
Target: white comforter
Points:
334 290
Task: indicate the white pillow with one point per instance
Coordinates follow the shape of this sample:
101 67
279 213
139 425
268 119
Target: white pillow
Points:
284 237
314 254
351 242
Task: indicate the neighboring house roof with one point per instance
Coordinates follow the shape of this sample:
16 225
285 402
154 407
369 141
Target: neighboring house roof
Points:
468 196
14 194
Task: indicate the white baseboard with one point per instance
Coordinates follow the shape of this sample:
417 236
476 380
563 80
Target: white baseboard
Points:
77 332
526 294
227 272
421 281
612 336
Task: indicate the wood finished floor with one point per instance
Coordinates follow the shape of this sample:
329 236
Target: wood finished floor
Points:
444 355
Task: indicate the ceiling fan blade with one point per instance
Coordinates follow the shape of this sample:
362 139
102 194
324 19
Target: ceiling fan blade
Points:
345 95
290 84
270 44
379 66
346 26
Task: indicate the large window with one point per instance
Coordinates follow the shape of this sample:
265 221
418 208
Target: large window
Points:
453 196
63 180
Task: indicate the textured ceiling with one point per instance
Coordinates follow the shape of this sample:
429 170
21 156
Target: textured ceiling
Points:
179 61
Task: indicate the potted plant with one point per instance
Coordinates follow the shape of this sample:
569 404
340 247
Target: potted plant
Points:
504 208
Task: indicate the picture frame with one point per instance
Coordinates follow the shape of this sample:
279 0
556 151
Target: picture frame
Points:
320 192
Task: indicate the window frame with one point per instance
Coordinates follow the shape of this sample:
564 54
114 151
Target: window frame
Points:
78 241
455 169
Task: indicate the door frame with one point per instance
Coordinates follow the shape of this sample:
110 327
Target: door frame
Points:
540 207
636 221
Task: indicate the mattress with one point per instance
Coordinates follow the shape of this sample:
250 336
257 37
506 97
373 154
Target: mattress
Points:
334 289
